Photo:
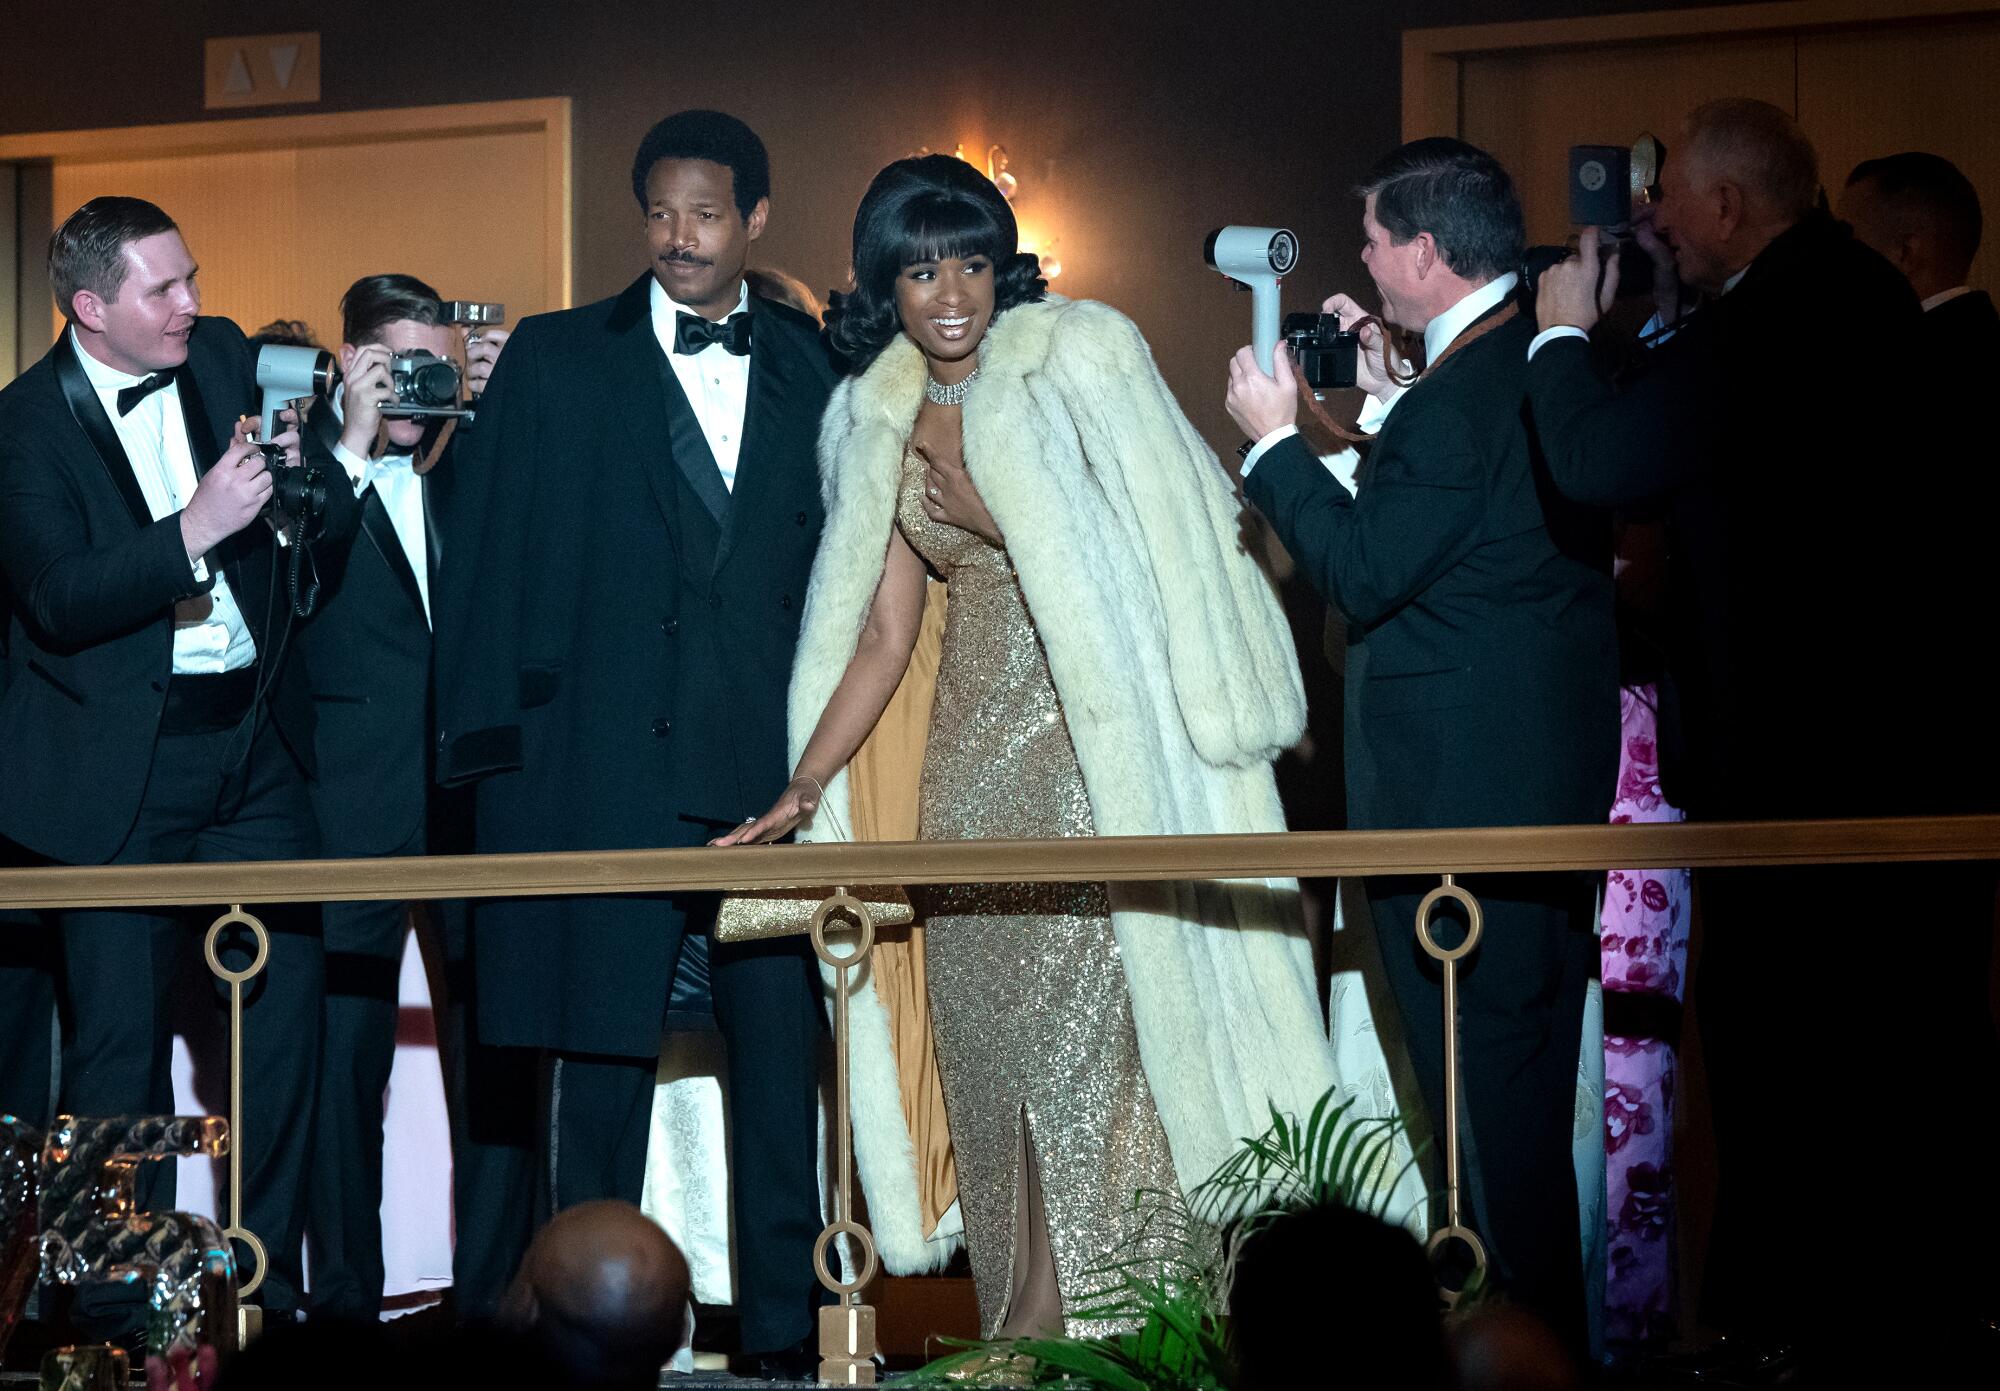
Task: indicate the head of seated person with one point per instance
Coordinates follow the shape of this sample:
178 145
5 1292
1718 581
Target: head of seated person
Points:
1503 1347
1331 1293
603 1294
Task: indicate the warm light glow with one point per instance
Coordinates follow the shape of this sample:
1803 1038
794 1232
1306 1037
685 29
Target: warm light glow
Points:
996 170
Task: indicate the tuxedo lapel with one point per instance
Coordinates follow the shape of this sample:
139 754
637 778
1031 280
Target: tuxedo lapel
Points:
763 415
692 456
637 362
203 447
433 547
375 521
96 426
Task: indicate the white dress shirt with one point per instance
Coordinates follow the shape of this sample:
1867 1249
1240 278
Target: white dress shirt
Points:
1438 335
1946 296
394 478
155 440
717 382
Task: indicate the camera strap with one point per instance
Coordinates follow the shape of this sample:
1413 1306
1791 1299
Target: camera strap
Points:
1472 333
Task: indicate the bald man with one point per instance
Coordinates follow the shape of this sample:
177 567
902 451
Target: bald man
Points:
1784 427
603 1292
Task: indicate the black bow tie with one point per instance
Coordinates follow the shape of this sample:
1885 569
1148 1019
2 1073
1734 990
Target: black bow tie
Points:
130 396
692 333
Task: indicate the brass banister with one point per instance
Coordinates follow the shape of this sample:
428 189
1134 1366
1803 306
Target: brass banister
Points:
1506 849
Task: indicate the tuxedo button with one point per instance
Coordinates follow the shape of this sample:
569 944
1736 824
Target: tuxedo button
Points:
785 602
662 728
799 517
670 626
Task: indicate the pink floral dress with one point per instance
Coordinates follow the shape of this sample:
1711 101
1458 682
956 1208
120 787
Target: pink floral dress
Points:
1645 943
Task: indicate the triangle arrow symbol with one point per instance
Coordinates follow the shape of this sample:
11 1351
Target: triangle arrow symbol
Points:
284 58
238 83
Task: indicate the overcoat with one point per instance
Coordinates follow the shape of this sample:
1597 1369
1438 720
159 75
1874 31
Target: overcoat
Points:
1180 685
612 656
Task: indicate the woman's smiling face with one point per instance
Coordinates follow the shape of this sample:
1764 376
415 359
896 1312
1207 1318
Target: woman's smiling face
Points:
945 305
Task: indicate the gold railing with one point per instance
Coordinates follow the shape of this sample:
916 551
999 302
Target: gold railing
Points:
847 1328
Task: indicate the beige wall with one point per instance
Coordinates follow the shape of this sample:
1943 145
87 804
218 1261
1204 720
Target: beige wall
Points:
280 233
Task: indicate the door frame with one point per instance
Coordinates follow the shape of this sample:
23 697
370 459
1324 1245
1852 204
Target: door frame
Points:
1433 58
21 303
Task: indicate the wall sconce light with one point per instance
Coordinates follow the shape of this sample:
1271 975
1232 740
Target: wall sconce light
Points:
996 170
1004 180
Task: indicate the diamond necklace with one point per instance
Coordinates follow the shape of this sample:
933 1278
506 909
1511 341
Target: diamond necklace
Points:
953 395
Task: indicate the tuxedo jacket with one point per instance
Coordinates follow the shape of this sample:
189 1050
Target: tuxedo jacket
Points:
94 581
1808 513
1481 664
366 656
615 639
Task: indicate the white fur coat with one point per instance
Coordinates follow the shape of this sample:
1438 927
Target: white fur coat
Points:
1178 678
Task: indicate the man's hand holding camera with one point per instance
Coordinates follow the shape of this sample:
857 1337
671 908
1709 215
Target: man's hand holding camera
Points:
1576 293
482 350
364 391
1259 401
234 493
1371 369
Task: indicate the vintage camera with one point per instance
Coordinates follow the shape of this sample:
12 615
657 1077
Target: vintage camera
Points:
1605 182
1255 259
1325 354
426 385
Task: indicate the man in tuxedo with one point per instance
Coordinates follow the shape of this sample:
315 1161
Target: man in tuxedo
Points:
1815 675
146 668
1481 681
367 656
1922 214
615 642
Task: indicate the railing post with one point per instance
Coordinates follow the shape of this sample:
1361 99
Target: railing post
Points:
1454 1227
249 1319
847 1326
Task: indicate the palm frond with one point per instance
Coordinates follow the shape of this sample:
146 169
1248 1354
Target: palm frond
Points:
1168 1280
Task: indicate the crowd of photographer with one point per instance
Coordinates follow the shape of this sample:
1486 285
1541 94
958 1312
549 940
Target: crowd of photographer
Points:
226 564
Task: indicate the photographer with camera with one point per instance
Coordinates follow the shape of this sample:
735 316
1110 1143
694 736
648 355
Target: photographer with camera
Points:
1481 682
1811 671
149 714
368 655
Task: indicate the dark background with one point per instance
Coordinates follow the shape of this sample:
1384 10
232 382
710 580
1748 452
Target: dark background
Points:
1134 129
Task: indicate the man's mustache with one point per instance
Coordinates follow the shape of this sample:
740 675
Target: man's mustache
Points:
682 258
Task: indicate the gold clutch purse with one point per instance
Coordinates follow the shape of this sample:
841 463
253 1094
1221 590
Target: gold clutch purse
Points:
753 914
750 915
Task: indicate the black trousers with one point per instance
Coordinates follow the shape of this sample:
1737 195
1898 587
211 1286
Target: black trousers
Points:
1521 995
203 803
1850 1051
767 1008
489 1094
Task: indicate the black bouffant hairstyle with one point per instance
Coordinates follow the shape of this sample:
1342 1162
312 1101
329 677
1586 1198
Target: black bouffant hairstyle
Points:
713 136
926 208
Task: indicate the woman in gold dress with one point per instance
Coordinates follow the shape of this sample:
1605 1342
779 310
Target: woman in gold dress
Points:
1112 663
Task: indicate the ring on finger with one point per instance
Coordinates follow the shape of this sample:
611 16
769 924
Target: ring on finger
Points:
936 491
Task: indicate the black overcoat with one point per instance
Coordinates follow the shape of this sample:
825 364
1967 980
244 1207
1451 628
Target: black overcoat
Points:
615 639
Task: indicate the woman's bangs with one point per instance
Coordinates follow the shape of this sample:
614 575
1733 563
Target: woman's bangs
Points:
946 228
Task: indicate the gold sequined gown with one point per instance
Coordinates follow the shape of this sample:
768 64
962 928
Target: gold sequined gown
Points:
1030 1009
